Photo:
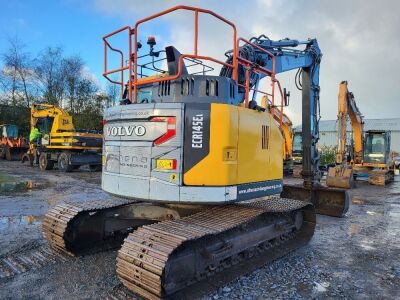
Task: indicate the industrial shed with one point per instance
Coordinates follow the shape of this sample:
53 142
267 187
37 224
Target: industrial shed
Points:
328 130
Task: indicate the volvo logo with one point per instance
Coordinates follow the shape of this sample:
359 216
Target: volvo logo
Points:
138 130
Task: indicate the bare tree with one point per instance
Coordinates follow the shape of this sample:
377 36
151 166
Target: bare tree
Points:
113 94
17 73
72 74
49 71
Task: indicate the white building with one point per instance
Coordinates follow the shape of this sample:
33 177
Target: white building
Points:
328 131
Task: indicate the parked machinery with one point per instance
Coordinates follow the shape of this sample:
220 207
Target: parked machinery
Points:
369 152
287 131
12 146
182 151
59 143
297 154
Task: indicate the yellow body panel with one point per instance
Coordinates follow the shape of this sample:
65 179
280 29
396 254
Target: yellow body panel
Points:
224 122
236 153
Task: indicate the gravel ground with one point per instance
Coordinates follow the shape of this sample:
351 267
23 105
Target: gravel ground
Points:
353 257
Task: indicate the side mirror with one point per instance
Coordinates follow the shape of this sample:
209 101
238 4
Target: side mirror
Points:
286 96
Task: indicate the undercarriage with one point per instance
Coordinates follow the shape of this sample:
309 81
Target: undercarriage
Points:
169 250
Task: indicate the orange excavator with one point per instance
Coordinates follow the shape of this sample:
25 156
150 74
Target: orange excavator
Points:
12 146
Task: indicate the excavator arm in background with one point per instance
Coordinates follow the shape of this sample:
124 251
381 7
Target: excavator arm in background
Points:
347 108
342 174
61 120
287 132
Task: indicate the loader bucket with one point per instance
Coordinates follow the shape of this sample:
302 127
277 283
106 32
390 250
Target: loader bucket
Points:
14 153
340 177
327 201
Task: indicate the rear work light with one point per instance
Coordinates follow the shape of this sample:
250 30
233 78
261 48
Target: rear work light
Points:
171 129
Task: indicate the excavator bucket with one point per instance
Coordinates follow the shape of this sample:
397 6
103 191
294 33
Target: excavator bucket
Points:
327 201
340 177
380 177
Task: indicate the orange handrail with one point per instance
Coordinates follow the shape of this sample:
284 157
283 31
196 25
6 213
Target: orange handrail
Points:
134 82
195 55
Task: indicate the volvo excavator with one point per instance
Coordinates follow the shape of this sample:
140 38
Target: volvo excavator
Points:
369 152
60 143
197 164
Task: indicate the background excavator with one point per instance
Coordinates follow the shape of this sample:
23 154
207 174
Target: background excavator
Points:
59 143
297 154
12 146
369 152
198 165
287 132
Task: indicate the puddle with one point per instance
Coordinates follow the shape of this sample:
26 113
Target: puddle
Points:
9 187
9 184
14 222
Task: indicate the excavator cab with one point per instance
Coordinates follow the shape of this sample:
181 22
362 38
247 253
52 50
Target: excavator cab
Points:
297 148
297 152
377 147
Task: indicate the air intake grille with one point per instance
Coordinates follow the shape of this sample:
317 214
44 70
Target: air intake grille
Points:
164 88
187 86
265 137
211 87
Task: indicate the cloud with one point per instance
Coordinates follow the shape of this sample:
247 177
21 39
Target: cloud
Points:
89 75
359 40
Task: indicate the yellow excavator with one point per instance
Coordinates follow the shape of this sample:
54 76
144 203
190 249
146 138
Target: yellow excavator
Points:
287 131
197 165
59 143
369 152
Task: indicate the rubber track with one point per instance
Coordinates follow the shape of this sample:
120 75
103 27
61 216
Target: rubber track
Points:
145 252
57 219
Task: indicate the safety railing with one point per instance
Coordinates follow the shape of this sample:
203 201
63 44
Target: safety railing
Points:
132 61
135 71
250 68
122 68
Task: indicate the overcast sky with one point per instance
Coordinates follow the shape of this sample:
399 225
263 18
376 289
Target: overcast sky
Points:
359 39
